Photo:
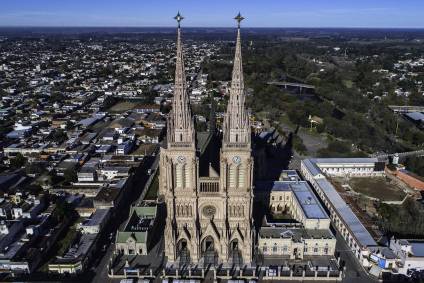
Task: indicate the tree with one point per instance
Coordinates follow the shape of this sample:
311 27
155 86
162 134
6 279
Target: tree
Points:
34 168
18 161
57 136
415 164
298 144
70 175
54 178
64 210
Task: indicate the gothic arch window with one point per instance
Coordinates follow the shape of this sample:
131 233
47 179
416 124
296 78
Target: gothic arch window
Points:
232 176
180 176
187 178
241 176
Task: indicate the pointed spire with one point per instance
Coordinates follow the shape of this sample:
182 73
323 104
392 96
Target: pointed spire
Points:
236 124
180 126
237 83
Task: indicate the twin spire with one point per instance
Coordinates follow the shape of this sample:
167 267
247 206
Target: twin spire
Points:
180 124
236 125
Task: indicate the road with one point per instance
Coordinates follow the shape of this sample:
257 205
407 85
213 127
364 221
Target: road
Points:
400 154
354 273
141 178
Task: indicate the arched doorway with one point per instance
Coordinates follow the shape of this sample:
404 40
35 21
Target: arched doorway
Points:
209 254
235 256
183 253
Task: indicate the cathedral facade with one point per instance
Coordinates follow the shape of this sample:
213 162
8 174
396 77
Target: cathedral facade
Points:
208 202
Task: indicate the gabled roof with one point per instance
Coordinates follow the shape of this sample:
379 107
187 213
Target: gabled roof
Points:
139 237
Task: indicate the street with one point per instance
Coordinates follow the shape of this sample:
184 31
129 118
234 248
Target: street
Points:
100 268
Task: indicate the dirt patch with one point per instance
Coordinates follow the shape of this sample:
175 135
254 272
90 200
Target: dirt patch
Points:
377 187
123 106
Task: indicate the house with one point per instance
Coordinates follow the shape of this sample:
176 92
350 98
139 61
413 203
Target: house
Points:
19 134
138 232
148 108
124 148
96 222
112 172
410 253
87 174
76 259
149 135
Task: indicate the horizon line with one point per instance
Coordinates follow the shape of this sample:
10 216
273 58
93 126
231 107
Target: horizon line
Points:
223 27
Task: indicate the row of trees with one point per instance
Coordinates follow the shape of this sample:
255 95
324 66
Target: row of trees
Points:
348 113
406 220
415 164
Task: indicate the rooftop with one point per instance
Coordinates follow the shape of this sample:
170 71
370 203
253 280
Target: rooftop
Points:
303 193
297 234
97 217
349 218
343 160
80 249
308 201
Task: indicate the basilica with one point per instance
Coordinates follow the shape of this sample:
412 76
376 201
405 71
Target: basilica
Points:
206 179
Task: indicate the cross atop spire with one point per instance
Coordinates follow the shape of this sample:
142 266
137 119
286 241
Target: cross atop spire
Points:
179 18
238 18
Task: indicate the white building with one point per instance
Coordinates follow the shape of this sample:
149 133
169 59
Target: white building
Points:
349 166
410 253
112 172
308 235
344 220
95 223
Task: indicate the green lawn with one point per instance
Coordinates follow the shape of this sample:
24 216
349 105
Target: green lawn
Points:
123 106
348 83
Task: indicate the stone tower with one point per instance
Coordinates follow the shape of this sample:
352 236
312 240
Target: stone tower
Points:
209 217
236 162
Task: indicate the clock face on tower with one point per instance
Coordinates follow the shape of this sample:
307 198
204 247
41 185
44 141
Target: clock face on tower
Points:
236 159
181 159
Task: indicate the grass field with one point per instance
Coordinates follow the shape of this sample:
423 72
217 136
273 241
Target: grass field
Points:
123 106
377 187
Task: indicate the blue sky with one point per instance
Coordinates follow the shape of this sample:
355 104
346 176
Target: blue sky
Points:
214 13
